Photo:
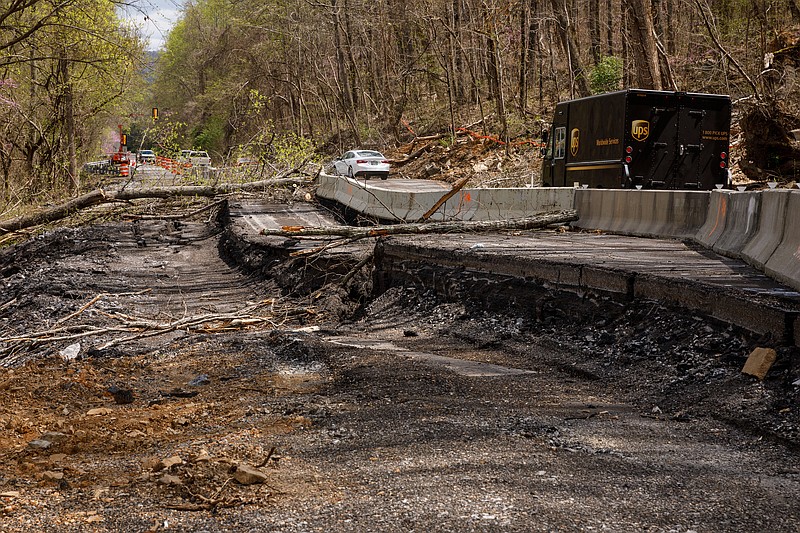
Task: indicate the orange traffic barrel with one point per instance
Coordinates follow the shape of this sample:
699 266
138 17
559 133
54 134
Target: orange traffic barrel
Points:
124 170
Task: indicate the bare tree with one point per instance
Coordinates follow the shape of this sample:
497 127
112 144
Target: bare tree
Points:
643 43
565 28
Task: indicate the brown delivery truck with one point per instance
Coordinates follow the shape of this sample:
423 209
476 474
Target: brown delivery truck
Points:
636 137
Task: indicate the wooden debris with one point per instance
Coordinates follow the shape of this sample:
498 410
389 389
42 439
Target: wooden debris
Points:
533 222
140 327
457 186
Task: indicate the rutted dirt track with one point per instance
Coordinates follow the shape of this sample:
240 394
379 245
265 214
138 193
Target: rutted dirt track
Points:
638 421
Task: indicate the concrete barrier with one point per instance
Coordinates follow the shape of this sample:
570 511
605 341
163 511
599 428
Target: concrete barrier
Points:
771 222
505 204
671 214
759 227
784 263
326 186
595 208
741 223
409 200
714 225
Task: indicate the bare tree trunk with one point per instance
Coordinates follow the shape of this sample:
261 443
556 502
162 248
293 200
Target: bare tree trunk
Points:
594 30
352 69
501 100
99 196
341 65
492 77
495 72
670 31
524 55
72 157
464 226
69 116
534 35
458 53
566 34
794 9
667 78
609 28
642 34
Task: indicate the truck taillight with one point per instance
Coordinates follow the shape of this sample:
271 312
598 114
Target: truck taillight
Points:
628 159
629 149
722 164
723 155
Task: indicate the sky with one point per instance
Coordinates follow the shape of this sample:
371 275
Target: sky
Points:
154 17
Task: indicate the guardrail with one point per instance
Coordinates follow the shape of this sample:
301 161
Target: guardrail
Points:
758 227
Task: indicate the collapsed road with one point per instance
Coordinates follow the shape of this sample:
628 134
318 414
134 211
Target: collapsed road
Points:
285 390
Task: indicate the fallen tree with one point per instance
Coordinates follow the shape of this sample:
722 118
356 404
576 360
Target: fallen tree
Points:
100 196
462 226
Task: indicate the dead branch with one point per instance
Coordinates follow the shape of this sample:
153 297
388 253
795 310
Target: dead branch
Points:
433 137
413 155
179 217
324 247
142 328
704 12
356 269
467 226
54 213
457 186
95 300
294 170
229 323
263 463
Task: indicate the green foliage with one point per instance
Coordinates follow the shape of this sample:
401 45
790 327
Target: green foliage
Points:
69 68
606 76
211 135
447 141
167 136
291 150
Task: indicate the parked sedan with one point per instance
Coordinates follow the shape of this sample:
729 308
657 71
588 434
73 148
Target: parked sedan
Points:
146 156
362 164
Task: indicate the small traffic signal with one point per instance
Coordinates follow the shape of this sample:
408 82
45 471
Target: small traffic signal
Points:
155 113
124 139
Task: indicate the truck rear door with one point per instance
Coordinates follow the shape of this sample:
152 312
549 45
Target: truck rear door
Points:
703 135
691 151
653 131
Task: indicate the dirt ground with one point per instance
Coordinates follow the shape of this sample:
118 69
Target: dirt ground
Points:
257 408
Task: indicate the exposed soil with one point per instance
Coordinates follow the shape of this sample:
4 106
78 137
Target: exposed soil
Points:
399 411
481 160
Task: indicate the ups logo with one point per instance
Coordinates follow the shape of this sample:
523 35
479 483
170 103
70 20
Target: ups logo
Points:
574 141
640 130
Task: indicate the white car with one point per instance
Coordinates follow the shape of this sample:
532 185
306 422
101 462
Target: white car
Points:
198 158
146 156
362 164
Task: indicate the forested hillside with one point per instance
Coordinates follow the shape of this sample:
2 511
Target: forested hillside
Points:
67 72
287 79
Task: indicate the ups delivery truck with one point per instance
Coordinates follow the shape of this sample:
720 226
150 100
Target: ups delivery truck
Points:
635 137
